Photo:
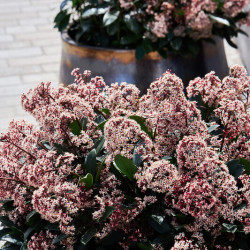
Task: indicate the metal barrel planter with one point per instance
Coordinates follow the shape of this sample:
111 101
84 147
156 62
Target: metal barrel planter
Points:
117 65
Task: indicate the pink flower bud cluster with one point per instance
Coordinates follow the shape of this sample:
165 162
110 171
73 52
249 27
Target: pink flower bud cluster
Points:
181 166
185 18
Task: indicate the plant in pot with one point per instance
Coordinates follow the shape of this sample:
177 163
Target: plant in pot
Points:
127 40
109 170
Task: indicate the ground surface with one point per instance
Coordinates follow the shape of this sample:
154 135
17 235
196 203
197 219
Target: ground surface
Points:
30 52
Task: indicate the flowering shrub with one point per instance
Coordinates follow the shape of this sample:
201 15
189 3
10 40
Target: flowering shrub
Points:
108 169
151 25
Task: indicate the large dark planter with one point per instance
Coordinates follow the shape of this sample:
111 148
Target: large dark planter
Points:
116 65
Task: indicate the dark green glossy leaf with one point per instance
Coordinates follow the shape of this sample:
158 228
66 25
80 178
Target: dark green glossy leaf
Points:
87 180
159 224
88 235
141 121
176 43
59 238
144 246
12 239
219 19
6 221
139 52
132 24
110 17
60 148
212 128
246 164
106 111
101 125
4 231
113 28
164 238
52 226
84 123
32 228
63 4
75 128
108 211
230 228
128 39
99 144
137 158
90 162
125 166
235 168
31 216
113 238
8 205
94 11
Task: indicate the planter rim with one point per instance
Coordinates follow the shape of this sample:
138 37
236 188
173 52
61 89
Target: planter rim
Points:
66 38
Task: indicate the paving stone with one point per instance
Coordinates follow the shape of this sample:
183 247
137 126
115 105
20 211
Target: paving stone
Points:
6 71
6 38
34 60
23 53
20 29
7 81
15 45
37 78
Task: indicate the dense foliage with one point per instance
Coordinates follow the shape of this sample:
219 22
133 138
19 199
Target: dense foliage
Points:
108 169
151 25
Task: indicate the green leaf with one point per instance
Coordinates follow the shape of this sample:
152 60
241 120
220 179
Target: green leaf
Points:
132 24
110 17
90 162
88 235
75 128
235 168
108 211
87 180
101 125
230 228
6 221
113 238
141 121
246 164
4 231
52 226
60 148
59 238
164 238
106 111
159 224
125 166
99 145
212 128
219 19
113 28
139 52
145 247
93 12
63 4
8 205
137 158
12 239
128 39
84 123
32 228
31 216
176 43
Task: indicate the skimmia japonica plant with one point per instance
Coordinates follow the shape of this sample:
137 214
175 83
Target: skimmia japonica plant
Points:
108 169
151 25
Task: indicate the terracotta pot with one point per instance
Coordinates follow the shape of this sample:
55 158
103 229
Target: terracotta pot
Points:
116 65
